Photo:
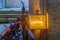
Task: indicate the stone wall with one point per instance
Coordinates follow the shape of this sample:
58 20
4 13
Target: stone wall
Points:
54 19
34 5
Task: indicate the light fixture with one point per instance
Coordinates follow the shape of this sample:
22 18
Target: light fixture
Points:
38 21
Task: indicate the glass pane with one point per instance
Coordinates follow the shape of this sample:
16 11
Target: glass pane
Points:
14 5
1 0
1 5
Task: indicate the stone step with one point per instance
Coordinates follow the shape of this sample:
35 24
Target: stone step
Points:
7 19
10 15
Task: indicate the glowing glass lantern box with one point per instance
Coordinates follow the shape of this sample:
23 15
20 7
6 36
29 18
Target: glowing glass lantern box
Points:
38 21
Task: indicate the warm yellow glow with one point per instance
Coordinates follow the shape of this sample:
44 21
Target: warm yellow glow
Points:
38 21
41 23
47 19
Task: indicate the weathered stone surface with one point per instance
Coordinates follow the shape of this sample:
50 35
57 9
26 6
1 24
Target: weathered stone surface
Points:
54 19
53 1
